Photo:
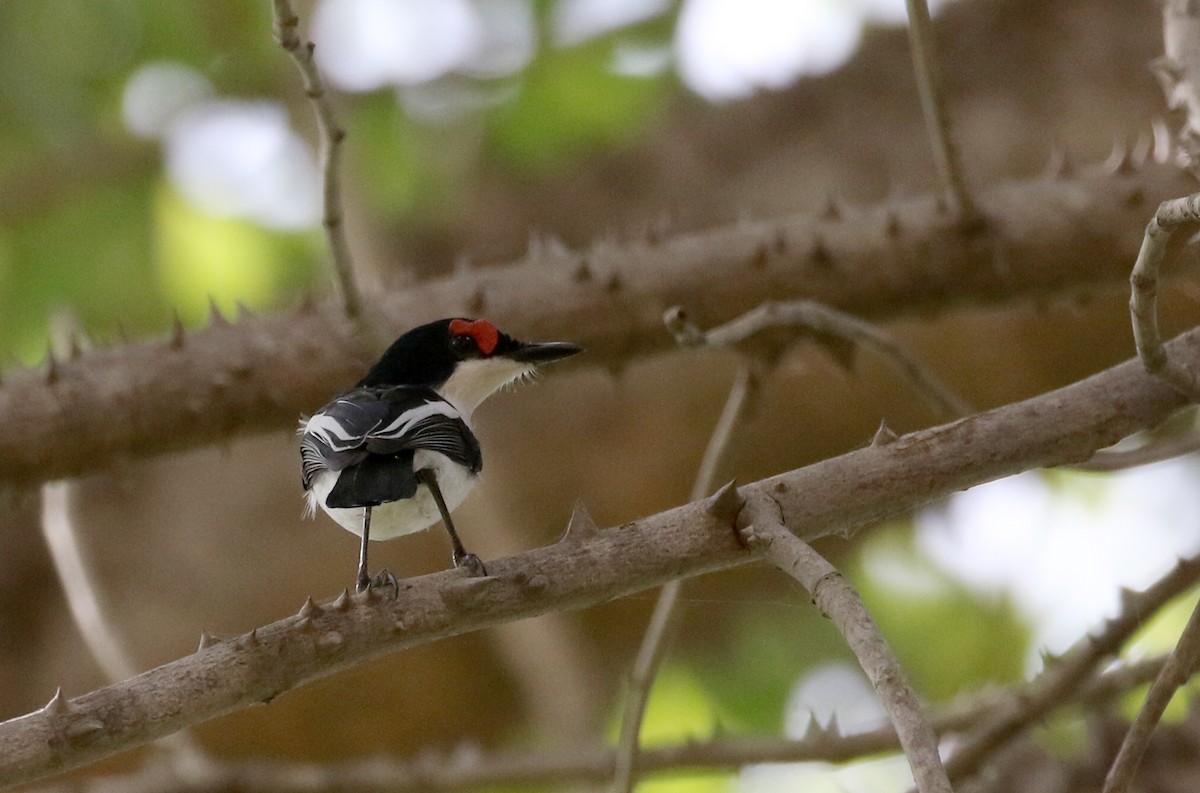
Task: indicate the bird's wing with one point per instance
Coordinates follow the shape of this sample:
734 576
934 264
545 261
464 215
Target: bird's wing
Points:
370 422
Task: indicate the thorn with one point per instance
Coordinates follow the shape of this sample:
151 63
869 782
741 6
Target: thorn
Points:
1135 197
810 730
304 624
581 527
613 284
1060 165
57 706
76 350
831 729
243 311
884 435
820 254
1128 599
831 211
122 332
726 503
206 640
52 370
759 258
343 601
310 609
215 318
178 333
477 304
781 241
250 639
309 304
582 273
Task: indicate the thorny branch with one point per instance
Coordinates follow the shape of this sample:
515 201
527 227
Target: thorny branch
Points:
762 527
1062 677
837 495
1180 666
148 398
332 135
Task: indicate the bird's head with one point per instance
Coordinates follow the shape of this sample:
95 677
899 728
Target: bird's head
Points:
466 360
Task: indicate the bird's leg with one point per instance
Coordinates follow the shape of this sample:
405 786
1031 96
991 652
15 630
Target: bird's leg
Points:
364 579
461 558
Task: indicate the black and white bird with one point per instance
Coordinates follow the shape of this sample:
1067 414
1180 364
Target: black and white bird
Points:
396 453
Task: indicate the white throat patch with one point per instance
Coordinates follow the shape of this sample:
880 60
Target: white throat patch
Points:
474 381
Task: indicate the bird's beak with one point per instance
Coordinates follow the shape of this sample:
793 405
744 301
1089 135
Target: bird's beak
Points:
544 352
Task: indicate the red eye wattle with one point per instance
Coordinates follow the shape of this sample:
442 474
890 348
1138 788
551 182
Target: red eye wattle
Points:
484 333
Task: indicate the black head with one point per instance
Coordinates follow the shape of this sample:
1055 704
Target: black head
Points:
430 354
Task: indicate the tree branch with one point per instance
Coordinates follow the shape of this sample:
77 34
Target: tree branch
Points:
167 395
762 527
332 135
839 495
645 666
1063 677
1180 666
937 119
1143 302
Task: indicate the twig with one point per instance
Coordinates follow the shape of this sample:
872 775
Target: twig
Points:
837 495
331 136
1143 301
1179 667
761 523
1062 677
1151 452
829 321
645 667
937 119
98 634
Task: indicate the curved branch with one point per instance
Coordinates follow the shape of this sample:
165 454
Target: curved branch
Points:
839 495
260 374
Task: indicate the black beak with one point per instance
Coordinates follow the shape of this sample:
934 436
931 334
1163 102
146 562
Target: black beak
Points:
544 352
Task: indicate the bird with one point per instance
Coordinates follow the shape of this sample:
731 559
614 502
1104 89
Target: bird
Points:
396 452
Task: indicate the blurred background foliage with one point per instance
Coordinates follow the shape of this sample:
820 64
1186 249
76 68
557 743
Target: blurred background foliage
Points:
155 159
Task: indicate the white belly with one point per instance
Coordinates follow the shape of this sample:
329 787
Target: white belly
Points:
397 518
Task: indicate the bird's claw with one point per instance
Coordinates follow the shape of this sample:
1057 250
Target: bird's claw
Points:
472 563
381 580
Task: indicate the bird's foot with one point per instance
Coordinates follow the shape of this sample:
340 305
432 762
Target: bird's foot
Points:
472 563
381 580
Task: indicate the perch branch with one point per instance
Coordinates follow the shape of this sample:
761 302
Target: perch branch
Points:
259 374
331 136
837 495
762 527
